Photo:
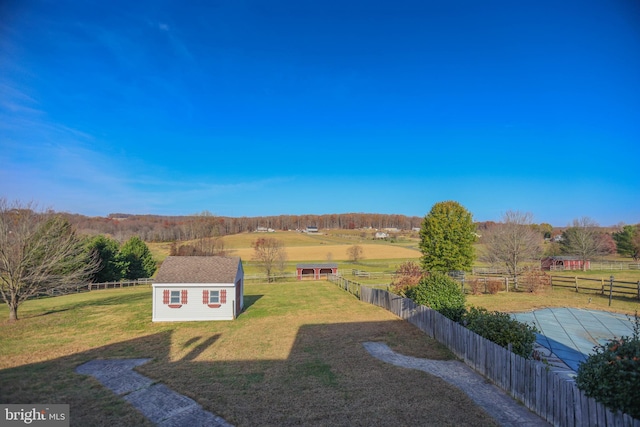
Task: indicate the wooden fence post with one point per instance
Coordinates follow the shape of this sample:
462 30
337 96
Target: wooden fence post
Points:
610 289
576 278
638 289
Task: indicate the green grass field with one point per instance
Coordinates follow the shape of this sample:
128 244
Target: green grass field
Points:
294 357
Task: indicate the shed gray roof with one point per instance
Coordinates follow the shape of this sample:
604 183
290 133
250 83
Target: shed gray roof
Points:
198 269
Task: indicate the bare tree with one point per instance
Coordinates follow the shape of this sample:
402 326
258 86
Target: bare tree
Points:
39 253
271 254
512 241
583 239
355 253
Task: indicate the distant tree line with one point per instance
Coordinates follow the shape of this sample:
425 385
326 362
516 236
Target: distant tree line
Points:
157 228
515 238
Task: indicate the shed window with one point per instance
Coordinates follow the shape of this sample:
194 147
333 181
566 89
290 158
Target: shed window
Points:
214 297
175 297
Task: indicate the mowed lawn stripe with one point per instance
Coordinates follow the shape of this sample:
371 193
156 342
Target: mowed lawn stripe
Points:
294 357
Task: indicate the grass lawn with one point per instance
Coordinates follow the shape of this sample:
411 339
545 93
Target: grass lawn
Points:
294 357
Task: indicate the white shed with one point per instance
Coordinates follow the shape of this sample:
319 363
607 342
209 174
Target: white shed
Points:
198 288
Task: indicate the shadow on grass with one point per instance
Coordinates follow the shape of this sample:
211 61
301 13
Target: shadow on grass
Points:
200 348
327 378
249 300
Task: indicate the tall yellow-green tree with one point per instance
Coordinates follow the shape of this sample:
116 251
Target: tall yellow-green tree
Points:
446 238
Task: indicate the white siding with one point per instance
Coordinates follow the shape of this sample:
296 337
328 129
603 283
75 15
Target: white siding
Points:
194 309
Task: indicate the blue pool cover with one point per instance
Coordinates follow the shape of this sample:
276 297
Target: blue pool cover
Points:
572 333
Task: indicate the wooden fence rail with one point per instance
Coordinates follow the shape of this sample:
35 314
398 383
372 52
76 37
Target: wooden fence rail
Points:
346 284
112 285
602 286
554 397
614 265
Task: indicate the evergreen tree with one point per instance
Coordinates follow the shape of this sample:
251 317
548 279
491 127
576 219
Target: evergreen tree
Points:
112 265
446 238
139 259
628 241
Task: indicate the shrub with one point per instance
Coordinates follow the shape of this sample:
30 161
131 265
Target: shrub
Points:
611 375
407 276
441 293
477 287
481 285
502 329
534 281
494 286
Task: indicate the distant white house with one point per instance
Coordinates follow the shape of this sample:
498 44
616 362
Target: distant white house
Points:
381 235
198 288
311 229
265 230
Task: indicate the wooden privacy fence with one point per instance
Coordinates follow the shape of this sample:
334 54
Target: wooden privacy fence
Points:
609 286
555 398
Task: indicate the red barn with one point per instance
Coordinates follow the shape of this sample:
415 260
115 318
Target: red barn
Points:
564 263
314 271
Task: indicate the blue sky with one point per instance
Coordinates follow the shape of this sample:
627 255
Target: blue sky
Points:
249 108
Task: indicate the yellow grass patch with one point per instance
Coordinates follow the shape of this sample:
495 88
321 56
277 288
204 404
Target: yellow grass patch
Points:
305 247
337 252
